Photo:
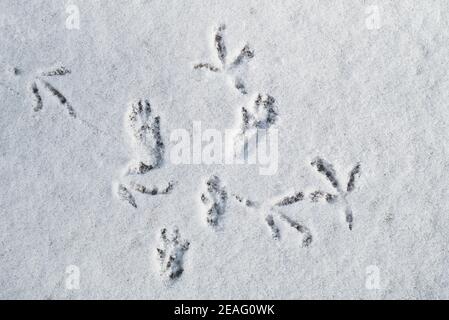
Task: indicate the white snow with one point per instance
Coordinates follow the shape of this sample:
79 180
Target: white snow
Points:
350 86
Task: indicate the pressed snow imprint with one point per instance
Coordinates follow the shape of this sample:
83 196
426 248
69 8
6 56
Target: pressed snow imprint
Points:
170 254
261 115
152 190
326 169
61 71
146 137
214 199
272 215
125 195
124 192
271 208
232 68
146 140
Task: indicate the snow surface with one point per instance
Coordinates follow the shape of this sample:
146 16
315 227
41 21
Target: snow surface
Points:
345 92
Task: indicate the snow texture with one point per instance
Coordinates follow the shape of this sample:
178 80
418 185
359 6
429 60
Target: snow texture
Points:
92 207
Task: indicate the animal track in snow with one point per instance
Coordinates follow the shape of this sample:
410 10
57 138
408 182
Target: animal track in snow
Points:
62 99
326 169
214 199
170 254
125 195
59 71
145 132
271 207
7 73
38 82
146 137
307 235
275 232
230 68
318 195
40 85
271 211
153 190
289 200
261 115
125 192
37 97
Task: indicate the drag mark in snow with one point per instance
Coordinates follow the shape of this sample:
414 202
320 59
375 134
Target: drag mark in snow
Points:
170 254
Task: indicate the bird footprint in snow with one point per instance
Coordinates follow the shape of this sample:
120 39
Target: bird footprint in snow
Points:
40 83
272 215
326 169
232 68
